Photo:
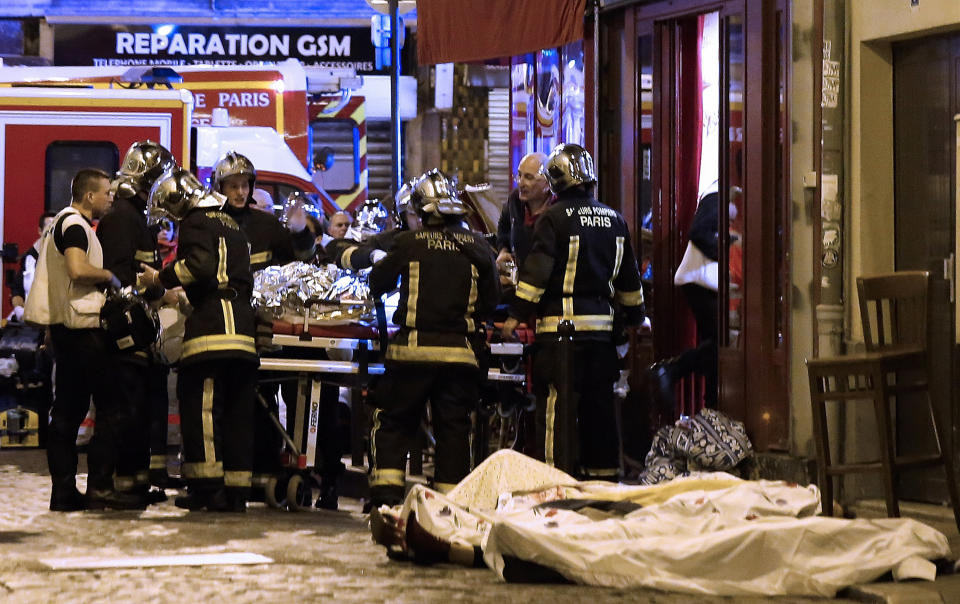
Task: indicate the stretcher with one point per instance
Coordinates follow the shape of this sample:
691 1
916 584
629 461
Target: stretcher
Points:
345 355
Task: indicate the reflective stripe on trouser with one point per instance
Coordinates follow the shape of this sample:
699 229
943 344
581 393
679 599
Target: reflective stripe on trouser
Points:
158 402
216 414
582 432
401 395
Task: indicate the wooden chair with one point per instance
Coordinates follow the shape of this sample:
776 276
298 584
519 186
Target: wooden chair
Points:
894 310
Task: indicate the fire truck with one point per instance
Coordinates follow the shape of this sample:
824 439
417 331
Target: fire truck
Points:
47 133
314 111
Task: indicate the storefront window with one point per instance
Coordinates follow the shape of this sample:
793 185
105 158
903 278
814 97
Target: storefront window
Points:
521 107
573 94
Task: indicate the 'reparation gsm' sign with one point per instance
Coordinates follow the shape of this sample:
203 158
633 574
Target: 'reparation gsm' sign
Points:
204 45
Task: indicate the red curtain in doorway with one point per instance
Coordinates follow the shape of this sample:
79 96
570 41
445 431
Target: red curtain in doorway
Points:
688 153
451 31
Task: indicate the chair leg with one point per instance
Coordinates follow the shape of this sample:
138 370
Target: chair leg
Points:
952 487
947 460
881 403
823 455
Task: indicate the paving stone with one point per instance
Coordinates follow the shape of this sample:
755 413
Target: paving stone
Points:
318 556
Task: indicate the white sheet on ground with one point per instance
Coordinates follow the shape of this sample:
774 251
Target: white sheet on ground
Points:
704 534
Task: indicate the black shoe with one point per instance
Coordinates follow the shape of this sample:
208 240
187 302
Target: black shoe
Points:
213 501
661 375
328 499
236 503
115 500
383 495
155 496
194 500
67 500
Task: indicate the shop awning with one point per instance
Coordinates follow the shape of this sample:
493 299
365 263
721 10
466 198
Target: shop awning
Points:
450 31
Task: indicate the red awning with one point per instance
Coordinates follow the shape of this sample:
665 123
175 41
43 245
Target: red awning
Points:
450 31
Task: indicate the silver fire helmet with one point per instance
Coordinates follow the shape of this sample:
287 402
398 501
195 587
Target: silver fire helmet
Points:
298 200
177 192
435 193
568 166
401 201
229 165
369 219
143 164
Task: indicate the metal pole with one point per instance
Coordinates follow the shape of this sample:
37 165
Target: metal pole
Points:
396 175
596 83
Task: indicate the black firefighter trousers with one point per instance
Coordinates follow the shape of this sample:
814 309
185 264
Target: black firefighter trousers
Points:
402 395
579 435
216 422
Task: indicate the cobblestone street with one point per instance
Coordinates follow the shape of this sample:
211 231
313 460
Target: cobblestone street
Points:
317 556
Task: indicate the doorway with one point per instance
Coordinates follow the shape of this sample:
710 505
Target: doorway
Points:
926 93
708 109
697 162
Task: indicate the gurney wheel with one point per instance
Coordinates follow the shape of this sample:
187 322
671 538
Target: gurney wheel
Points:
271 493
299 494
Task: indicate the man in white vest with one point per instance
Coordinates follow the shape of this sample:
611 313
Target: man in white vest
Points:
67 295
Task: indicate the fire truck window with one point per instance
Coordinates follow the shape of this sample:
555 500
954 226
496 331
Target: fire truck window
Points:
65 158
336 159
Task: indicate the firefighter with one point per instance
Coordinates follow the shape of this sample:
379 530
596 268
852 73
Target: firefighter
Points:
581 268
127 241
448 282
217 376
270 243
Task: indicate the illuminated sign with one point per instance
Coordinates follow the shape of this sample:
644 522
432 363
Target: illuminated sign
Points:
107 45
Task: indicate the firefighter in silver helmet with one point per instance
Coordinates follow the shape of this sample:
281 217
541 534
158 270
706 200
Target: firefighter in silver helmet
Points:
128 242
581 268
217 375
448 283
271 243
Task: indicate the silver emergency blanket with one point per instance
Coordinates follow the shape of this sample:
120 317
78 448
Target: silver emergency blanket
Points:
709 533
325 294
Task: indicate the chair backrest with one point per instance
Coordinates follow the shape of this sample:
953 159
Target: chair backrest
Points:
894 309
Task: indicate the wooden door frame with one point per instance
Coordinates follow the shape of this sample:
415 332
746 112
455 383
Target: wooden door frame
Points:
765 406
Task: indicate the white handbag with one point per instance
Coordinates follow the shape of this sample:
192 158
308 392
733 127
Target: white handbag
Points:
696 268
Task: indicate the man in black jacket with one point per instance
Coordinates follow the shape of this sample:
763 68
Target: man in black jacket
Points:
581 269
270 243
448 282
217 381
520 212
702 298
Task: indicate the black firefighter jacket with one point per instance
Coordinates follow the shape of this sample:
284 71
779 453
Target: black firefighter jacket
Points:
355 255
448 283
213 266
127 240
580 265
270 242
